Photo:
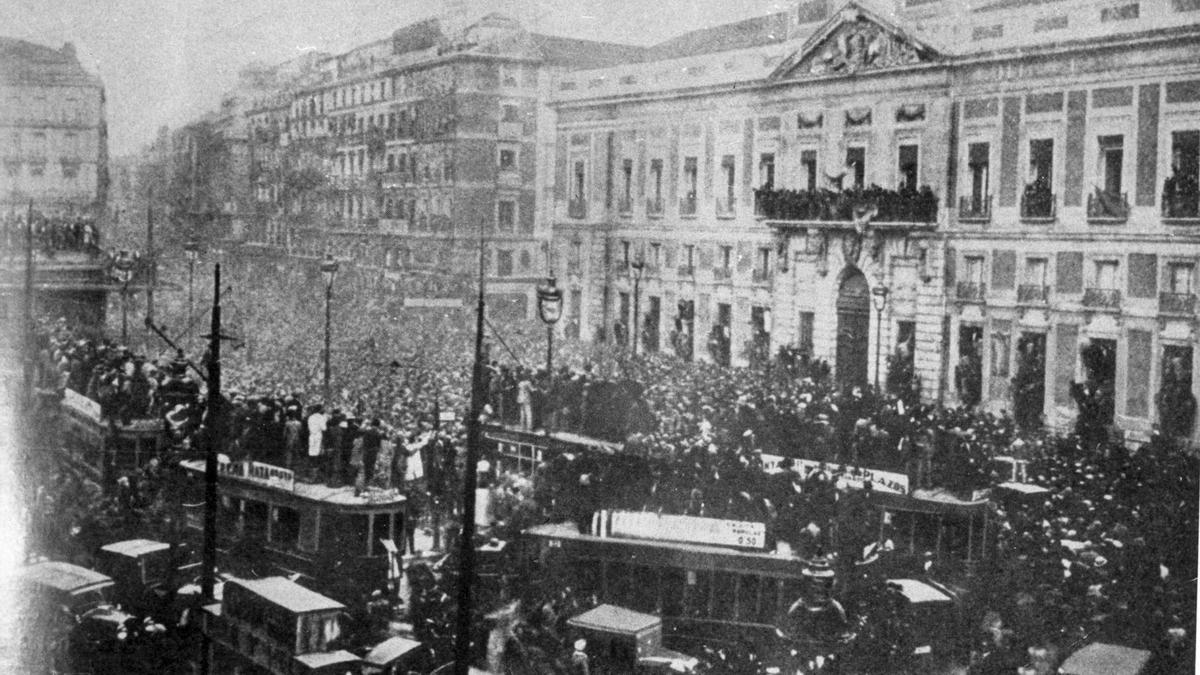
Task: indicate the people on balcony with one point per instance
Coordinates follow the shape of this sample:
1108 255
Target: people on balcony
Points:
51 234
1037 200
904 205
1104 204
1181 196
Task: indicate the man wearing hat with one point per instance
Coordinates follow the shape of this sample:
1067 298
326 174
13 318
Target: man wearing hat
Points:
579 659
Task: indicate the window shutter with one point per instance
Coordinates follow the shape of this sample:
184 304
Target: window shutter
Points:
1143 275
1004 269
1069 278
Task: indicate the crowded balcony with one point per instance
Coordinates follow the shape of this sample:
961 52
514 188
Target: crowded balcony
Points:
975 209
970 291
1181 198
1107 207
1033 294
892 206
1177 303
1102 298
1037 204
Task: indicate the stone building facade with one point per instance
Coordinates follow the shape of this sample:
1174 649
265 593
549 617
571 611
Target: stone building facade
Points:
1020 181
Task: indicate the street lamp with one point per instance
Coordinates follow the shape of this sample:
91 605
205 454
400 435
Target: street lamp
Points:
639 267
550 311
329 268
191 249
879 297
124 267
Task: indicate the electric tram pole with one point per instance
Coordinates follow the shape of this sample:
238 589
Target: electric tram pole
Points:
215 424
466 575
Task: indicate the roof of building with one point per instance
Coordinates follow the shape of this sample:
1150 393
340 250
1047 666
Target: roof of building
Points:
288 594
63 576
134 548
1105 659
754 32
919 591
614 619
578 54
23 62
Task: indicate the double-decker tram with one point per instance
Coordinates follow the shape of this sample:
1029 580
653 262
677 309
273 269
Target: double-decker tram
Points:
105 446
270 521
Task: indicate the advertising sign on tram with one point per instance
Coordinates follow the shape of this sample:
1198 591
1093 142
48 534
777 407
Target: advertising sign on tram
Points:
852 476
687 529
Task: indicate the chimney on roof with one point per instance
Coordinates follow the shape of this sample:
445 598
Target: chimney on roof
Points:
68 50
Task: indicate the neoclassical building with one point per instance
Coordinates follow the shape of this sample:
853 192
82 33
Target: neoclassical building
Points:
1004 193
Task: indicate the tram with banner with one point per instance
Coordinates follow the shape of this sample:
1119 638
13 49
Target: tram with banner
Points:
106 447
339 539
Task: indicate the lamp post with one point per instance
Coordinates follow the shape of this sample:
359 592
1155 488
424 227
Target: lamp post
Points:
550 311
639 267
191 249
124 267
879 297
329 268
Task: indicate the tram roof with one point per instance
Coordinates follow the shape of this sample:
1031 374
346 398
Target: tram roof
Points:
389 650
65 577
317 492
614 619
1101 658
324 659
288 594
135 548
918 591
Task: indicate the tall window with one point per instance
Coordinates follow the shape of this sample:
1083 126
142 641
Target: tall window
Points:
508 159
1035 272
1112 159
856 166
655 255
1041 163
504 263
506 215
727 257
804 333
1105 275
690 174
766 171
908 169
626 184
656 185
808 164
689 256
1180 277
625 248
973 272
577 182
1181 191
729 174
978 163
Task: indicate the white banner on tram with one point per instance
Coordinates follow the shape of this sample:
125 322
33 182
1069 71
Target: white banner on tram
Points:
82 405
687 529
852 476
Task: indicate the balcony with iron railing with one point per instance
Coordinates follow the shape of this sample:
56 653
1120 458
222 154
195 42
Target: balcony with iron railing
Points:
625 206
1033 294
687 205
1182 304
685 271
1037 205
975 209
654 207
1107 207
1102 298
761 276
722 273
970 291
1181 200
891 206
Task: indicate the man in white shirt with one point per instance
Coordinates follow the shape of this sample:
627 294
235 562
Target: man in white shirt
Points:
317 422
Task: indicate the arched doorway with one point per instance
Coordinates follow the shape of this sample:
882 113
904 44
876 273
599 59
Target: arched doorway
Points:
853 329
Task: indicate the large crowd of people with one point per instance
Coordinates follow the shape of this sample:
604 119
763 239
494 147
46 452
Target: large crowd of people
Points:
1108 552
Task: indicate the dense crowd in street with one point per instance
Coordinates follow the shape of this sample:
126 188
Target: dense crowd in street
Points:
1109 552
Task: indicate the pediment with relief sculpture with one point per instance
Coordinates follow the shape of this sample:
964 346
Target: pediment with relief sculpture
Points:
852 41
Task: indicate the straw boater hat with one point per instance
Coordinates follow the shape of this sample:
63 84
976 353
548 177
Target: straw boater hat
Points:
580 645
